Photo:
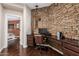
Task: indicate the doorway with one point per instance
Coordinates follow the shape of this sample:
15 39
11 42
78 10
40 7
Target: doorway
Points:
13 30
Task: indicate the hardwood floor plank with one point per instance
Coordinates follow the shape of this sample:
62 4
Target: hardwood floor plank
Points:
30 51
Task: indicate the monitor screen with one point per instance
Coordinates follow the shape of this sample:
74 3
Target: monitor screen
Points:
44 31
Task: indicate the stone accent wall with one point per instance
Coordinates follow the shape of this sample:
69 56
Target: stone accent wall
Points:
59 18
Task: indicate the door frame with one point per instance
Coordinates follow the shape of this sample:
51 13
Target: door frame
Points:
6 29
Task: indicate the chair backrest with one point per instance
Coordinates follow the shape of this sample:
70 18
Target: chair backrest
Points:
38 39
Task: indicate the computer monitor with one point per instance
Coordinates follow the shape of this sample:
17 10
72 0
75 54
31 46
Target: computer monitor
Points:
44 31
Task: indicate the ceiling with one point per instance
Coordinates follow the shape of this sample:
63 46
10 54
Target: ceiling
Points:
19 6
13 6
40 5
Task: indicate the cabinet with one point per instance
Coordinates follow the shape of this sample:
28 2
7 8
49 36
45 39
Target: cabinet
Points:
30 40
70 47
56 43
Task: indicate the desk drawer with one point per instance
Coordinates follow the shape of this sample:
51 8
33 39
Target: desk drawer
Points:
71 47
30 40
68 52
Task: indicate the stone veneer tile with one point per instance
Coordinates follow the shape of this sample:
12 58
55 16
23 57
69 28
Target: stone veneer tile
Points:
61 17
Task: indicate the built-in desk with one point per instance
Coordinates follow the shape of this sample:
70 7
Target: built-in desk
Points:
65 46
70 47
36 39
52 42
30 40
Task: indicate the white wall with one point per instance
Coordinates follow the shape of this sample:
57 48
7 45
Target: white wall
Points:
14 13
26 24
1 27
28 21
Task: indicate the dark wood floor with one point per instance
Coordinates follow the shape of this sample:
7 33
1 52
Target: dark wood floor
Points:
16 50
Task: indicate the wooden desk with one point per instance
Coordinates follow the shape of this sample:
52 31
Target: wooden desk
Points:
30 40
70 47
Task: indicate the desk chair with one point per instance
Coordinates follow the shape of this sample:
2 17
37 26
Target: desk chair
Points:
39 40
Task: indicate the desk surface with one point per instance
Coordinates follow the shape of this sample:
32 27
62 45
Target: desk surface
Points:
37 35
54 36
